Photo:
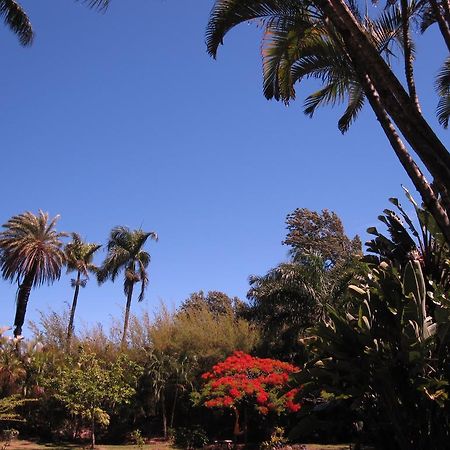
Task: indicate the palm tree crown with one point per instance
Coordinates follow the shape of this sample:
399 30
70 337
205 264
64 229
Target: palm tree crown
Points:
31 245
79 255
32 254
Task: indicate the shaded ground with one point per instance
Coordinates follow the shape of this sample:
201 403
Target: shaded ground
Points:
29 445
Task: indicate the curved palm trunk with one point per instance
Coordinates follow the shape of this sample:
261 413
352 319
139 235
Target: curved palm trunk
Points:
127 315
22 302
72 310
396 101
429 198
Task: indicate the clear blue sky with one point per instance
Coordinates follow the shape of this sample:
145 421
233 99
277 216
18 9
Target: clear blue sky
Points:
122 119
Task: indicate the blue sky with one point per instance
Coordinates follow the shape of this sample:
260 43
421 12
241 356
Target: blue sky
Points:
122 119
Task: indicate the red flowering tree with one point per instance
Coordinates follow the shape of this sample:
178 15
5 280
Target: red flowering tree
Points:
246 380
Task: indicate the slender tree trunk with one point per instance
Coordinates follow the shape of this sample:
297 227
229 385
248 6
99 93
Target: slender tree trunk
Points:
92 428
443 25
408 56
175 398
236 428
72 311
423 187
22 302
395 100
127 315
164 413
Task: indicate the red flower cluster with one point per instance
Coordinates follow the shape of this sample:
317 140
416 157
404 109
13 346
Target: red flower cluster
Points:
261 381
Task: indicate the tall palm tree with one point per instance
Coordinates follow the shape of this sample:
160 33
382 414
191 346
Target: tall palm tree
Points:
125 252
79 257
301 41
31 254
16 18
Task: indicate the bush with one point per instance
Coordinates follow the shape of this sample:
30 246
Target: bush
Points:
190 438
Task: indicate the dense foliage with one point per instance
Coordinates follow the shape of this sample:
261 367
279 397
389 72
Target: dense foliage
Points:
349 347
258 381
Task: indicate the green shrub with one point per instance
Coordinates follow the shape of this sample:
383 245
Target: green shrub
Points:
190 438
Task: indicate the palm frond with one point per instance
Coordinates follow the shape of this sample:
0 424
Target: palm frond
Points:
100 5
442 85
331 94
17 20
226 14
280 49
144 279
356 99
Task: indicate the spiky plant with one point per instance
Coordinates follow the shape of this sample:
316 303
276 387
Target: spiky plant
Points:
79 256
31 254
125 253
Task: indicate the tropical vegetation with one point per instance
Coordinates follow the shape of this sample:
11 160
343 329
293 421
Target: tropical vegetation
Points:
331 331
334 344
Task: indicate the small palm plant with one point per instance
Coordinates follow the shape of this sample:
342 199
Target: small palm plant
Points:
31 254
125 252
79 257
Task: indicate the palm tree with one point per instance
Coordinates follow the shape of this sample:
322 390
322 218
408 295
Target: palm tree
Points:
300 41
125 252
18 21
31 254
79 257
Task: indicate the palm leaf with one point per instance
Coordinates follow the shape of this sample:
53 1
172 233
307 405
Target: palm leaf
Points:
100 5
17 20
356 99
442 85
226 14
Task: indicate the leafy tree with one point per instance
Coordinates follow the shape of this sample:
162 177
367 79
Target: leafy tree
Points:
90 391
321 234
332 41
125 252
243 380
79 257
217 302
290 298
31 254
